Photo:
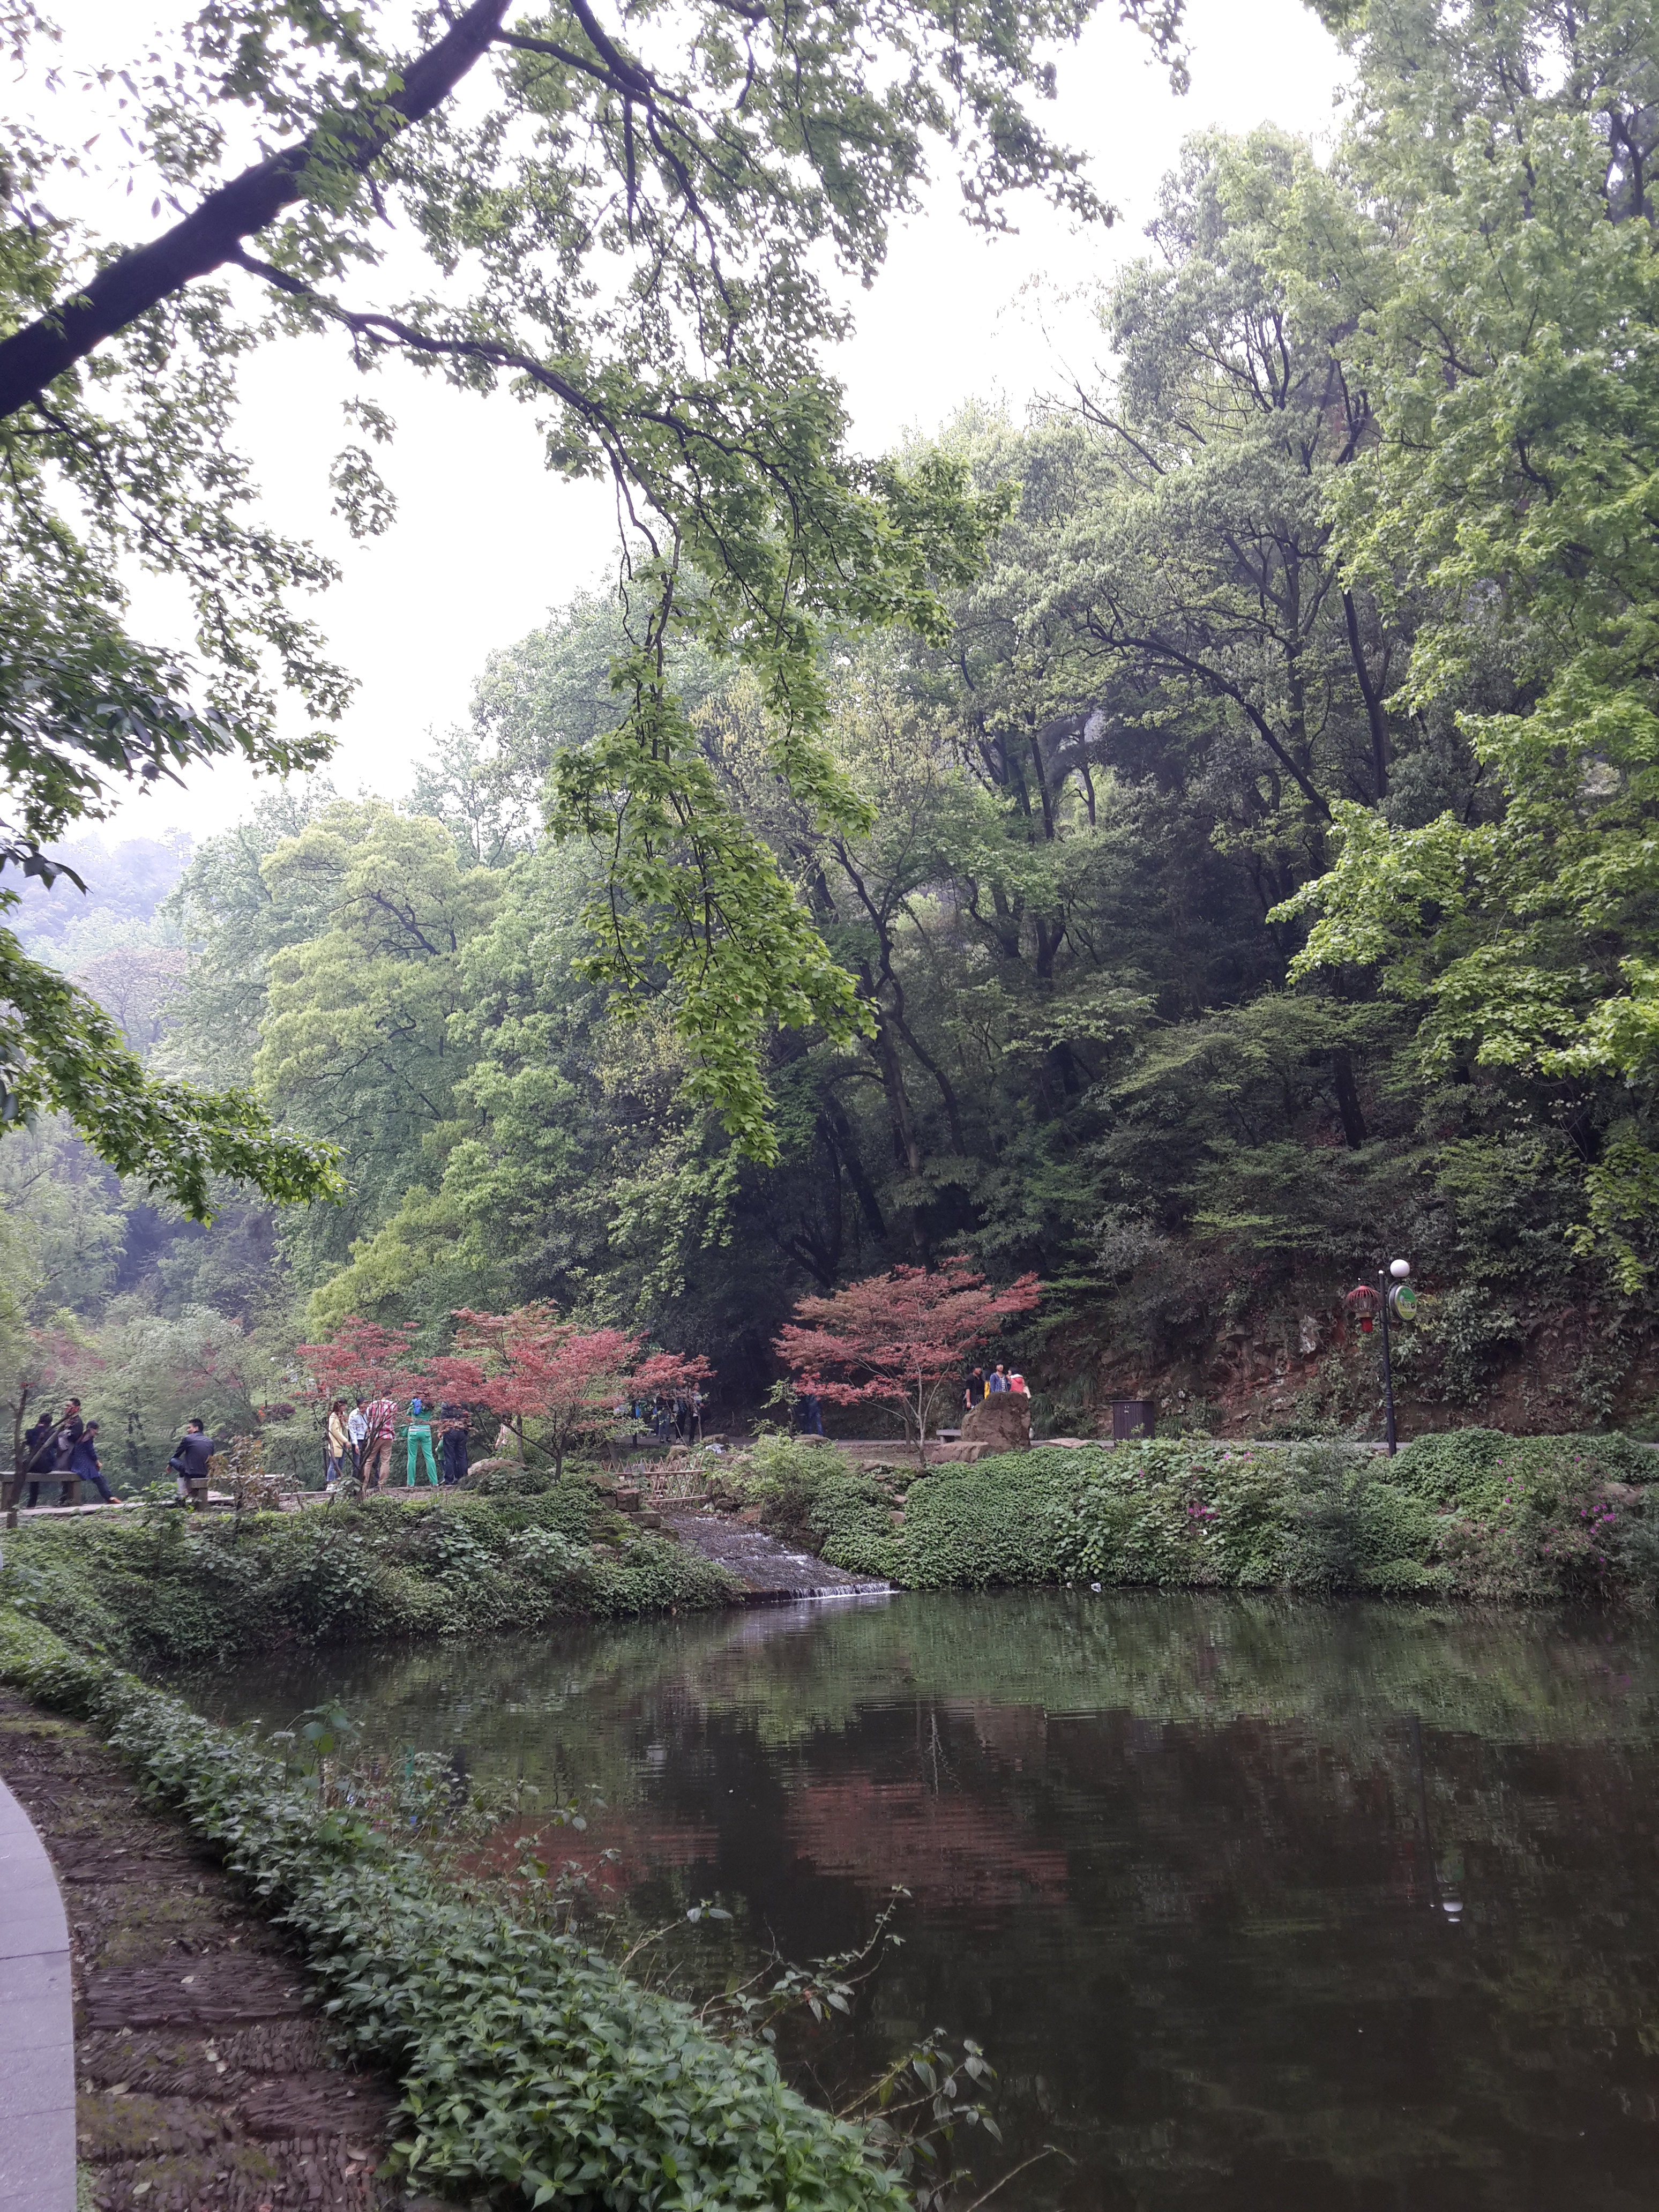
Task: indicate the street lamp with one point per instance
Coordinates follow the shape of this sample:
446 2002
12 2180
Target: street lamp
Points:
1369 1304
1403 1300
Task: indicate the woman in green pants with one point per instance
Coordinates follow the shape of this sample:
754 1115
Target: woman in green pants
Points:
420 1439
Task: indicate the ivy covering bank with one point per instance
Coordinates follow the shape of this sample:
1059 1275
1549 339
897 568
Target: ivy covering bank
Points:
169 1588
1468 1514
531 2065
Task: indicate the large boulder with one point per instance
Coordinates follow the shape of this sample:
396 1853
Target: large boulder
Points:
1002 1420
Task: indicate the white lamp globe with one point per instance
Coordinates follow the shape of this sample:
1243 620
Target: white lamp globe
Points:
1400 1269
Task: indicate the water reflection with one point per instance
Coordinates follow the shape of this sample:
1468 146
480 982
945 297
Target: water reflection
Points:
1252 1903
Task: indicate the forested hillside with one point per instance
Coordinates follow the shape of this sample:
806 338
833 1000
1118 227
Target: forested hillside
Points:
1257 882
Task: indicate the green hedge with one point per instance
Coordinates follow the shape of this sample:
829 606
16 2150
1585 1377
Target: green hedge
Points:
1470 1514
170 1587
529 2063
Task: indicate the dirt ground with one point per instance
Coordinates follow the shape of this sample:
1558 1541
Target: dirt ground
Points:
206 2085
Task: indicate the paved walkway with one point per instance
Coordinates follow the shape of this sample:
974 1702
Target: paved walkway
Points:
37 2025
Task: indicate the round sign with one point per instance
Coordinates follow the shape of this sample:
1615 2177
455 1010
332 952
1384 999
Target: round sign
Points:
1403 1300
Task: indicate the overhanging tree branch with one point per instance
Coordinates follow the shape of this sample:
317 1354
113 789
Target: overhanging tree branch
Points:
135 282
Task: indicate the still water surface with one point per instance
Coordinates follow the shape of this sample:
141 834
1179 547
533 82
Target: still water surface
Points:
1253 1903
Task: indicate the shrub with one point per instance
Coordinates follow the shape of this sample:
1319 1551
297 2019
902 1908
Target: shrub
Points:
528 2062
997 1520
1475 1515
171 1589
1328 1484
1177 1512
1463 1466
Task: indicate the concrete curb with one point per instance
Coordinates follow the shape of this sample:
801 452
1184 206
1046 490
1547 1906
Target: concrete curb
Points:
37 2025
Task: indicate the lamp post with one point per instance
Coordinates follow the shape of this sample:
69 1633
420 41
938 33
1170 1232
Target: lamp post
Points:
1400 1270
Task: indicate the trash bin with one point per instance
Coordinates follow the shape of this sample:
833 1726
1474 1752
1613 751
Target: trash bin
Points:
1133 1417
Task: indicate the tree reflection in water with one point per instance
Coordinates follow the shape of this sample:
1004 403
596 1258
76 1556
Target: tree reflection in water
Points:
1252 1903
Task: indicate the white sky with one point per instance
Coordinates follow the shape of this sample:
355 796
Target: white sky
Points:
486 542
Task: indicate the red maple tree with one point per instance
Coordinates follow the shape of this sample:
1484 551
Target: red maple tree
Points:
530 1366
362 1360
901 1339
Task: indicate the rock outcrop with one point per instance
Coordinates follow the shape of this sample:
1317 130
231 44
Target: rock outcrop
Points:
1002 1420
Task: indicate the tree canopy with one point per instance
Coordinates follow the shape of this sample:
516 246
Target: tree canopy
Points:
630 227
1236 869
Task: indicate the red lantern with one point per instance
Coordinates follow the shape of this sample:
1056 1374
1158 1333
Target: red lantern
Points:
1366 1304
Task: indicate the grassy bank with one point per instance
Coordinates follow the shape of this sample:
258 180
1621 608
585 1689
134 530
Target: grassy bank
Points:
1468 1514
166 1588
531 2067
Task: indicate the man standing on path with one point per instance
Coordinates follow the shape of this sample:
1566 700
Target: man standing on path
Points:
34 1437
379 1427
420 1440
357 1438
453 1422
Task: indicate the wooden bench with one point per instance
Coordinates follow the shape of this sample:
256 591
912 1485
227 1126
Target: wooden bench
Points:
16 1486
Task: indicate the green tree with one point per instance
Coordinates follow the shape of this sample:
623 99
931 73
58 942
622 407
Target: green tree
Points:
628 229
1513 358
355 1044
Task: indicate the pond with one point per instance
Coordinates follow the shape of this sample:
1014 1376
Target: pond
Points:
1251 1903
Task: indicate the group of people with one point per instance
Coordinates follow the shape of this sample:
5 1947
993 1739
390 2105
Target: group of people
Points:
363 1436
676 1419
63 1449
60 1448
981 1386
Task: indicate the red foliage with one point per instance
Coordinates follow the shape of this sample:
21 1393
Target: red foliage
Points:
531 1365
362 1360
524 1366
901 1338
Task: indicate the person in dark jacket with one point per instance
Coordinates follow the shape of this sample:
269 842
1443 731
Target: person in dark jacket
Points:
69 1433
51 1457
83 1463
190 1463
34 1437
453 1424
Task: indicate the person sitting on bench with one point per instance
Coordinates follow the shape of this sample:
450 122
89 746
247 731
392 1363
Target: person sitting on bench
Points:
190 1463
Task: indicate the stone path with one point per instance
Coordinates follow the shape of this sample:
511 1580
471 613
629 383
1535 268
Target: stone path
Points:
770 1571
204 2080
37 2025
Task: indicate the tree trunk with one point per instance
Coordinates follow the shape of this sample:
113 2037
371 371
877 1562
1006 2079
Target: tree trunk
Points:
1347 1101
1375 720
